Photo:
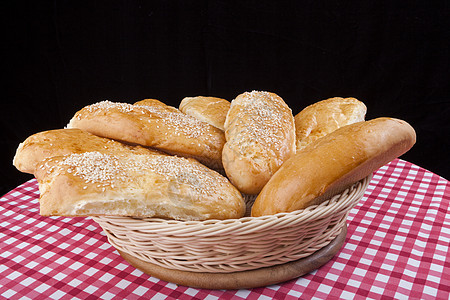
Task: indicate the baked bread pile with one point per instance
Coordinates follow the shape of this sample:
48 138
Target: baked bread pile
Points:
196 162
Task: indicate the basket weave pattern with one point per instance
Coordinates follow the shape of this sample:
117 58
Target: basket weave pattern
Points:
224 246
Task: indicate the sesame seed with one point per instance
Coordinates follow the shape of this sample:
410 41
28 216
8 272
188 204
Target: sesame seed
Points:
266 124
107 171
177 121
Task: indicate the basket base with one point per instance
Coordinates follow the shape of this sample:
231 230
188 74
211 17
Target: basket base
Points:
243 279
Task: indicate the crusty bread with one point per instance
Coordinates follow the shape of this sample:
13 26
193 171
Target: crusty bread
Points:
331 164
260 135
92 183
59 142
211 110
153 125
156 102
324 117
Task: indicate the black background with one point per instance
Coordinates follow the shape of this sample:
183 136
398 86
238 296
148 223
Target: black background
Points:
63 55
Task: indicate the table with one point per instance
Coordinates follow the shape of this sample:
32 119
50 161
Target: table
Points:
397 247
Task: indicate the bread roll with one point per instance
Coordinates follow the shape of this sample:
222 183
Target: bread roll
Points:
155 102
260 135
155 125
333 163
58 142
324 117
164 186
211 110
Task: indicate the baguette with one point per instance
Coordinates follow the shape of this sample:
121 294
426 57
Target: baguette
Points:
163 186
260 136
59 142
323 117
155 125
333 163
211 110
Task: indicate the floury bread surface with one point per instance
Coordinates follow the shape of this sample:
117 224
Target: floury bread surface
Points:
323 117
59 142
260 136
153 124
333 163
211 110
163 186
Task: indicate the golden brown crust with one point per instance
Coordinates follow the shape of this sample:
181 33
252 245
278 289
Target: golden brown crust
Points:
332 163
164 186
211 110
157 125
324 117
260 135
156 102
59 142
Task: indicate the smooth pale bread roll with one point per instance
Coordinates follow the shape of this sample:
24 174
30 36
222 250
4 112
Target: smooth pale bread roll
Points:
324 117
156 125
59 142
163 186
333 163
156 102
211 110
260 135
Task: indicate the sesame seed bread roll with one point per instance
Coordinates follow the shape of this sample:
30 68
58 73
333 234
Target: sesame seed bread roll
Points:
211 110
59 142
260 135
324 117
153 125
333 163
136 185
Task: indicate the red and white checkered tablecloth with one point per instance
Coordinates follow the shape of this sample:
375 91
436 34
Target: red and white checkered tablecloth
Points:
397 247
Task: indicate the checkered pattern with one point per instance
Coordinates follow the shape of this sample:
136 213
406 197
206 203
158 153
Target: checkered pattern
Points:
397 247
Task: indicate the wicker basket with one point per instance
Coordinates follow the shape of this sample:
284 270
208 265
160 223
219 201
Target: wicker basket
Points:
225 246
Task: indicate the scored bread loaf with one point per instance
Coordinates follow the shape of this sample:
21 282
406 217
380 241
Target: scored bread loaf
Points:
59 142
260 136
211 110
333 163
164 186
156 125
324 117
